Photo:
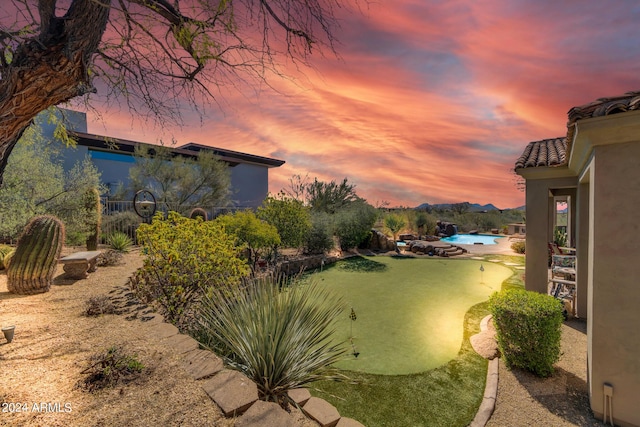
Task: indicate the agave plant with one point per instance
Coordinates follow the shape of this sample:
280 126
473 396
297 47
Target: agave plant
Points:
119 241
279 335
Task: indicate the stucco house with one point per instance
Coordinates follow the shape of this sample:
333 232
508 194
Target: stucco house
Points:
594 172
113 158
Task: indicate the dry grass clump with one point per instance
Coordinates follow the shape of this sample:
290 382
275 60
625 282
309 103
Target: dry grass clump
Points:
110 258
98 305
109 368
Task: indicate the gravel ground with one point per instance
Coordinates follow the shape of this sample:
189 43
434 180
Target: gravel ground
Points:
561 400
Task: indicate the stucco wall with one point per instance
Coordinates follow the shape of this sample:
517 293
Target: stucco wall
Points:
615 304
540 211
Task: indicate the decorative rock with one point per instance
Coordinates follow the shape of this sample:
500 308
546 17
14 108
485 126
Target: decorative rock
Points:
233 392
299 395
380 242
165 330
201 364
485 345
348 422
265 414
181 343
321 411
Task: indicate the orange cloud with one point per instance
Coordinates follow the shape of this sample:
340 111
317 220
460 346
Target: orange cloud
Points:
430 101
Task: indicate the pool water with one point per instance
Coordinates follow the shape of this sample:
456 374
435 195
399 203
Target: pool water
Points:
470 239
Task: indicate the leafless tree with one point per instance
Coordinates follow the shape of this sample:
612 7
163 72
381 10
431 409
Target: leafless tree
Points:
150 54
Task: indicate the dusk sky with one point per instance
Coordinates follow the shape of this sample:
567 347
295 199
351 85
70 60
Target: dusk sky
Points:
430 101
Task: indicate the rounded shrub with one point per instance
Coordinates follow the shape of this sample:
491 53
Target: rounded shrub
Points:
518 246
528 326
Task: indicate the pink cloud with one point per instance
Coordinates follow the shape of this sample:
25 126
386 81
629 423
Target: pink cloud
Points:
431 101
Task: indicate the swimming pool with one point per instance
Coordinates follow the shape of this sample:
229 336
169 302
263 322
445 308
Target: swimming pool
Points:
470 239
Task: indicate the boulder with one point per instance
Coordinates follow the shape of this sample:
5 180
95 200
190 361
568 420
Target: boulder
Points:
380 242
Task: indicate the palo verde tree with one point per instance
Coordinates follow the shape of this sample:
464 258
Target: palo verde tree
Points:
330 197
181 182
154 55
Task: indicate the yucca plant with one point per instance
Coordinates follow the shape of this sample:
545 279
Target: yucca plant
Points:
280 336
119 241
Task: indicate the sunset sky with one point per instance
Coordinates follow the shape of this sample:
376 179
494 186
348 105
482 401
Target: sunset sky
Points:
430 101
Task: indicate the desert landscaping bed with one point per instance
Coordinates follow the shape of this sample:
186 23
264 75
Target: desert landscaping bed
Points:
54 341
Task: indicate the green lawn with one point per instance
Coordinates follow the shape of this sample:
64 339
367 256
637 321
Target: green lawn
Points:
447 395
409 310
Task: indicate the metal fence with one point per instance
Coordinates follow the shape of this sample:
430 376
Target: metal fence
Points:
120 215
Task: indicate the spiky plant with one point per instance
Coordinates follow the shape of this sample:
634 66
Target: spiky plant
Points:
280 336
94 209
119 241
34 262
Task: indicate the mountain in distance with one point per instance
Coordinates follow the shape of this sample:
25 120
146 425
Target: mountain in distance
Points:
473 207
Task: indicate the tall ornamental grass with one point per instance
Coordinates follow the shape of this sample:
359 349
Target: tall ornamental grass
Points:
278 334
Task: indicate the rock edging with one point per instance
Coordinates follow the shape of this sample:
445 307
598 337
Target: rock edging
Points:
237 395
491 387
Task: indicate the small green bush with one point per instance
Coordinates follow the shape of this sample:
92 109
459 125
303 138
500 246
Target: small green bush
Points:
184 258
320 237
518 246
119 241
528 326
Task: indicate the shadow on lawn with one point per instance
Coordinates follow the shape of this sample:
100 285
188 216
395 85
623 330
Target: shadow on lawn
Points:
359 264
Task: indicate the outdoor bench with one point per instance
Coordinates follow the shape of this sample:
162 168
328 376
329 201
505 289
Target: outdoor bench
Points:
79 264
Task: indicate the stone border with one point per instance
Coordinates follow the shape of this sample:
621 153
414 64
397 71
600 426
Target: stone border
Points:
491 387
236 395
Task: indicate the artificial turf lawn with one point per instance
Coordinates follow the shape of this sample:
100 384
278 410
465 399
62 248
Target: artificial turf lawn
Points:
409 311
447 396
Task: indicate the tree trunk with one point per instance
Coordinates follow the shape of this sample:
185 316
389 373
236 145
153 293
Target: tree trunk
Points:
49 69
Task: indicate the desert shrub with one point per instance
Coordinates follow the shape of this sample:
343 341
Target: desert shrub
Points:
119 241
109 258
289 216
320 237
184 258
279 334
518 246
109 368
4 251
353 224
528 326
99 304
259 237
126 222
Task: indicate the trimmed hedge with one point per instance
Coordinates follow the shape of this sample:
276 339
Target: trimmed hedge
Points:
528 326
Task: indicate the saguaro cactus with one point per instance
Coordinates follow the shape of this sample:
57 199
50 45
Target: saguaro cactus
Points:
34 263
94 209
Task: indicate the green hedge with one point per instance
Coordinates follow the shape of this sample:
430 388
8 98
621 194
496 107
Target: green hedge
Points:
528 326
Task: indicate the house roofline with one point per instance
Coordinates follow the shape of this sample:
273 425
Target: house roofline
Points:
190 150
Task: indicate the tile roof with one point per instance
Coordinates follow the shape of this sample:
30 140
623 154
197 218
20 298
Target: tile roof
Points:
548 152
553 152
605 107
